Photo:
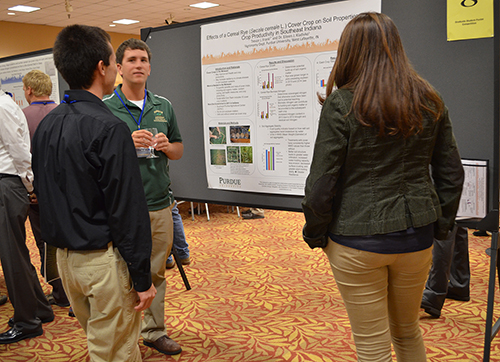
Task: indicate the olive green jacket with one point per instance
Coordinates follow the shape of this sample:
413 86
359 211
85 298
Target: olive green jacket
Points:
363 184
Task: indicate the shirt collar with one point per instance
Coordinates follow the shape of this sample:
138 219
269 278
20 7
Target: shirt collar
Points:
81 95
150 97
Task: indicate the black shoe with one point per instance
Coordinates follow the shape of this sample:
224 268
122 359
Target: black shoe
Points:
460 298
480 233
45 320
196 211
53 301
13 335
251 216
3 299
429 309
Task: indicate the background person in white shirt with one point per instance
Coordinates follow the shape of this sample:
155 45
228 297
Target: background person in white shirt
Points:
31 308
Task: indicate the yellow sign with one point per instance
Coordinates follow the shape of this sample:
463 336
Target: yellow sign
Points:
470 19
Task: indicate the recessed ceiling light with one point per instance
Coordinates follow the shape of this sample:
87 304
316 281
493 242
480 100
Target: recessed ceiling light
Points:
204 5
125 21
112 25
11 13
23 8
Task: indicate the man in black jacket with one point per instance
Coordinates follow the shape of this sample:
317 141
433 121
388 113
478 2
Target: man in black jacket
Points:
92 203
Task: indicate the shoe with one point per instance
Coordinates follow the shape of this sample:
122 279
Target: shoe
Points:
13 335
251 216
71 313
45 320
195 210
248 211
170 264
481 233
52 301
165 345
3 299
460 298
429 309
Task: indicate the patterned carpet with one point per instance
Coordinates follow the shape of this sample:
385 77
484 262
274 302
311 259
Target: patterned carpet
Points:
260 294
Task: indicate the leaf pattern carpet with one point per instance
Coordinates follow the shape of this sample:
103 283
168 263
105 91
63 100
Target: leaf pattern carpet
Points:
260 294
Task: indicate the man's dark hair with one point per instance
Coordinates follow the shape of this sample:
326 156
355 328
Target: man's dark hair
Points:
77 51
132 44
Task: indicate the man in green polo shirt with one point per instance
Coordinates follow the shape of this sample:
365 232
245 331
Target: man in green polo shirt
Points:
143 111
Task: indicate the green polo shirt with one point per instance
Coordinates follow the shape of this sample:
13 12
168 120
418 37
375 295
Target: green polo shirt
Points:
158 113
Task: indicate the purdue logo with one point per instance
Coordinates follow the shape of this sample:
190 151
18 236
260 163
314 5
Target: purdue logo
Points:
468 3
230 182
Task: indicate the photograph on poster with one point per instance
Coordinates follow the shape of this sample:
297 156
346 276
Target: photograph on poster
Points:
218 157
233 154
240 134
246 154
217 135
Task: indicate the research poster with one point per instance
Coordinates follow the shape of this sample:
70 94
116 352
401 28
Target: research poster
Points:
475 192
13 71
260 79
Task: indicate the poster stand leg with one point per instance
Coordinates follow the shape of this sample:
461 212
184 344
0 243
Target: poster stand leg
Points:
488 223
181 268
489 334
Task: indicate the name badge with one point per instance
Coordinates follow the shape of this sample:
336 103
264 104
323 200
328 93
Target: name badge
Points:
142 152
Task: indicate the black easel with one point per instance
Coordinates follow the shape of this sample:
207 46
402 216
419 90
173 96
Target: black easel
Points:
181 268
488 223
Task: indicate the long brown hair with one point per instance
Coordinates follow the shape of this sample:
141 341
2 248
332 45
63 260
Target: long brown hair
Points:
388 92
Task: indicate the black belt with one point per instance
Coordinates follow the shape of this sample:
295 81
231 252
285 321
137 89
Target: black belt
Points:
5 175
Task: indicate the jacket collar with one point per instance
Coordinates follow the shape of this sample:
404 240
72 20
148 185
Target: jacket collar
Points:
81 95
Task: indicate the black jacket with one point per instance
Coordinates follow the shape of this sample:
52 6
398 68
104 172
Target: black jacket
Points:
88 183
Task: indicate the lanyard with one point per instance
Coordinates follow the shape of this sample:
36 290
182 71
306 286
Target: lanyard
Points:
43 102
142 110
67 101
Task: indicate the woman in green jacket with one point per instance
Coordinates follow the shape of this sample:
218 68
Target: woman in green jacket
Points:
385 179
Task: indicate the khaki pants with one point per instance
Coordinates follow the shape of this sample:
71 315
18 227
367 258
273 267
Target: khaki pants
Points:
382 295
162 230
101 293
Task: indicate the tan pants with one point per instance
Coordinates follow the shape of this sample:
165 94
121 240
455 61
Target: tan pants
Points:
162 230
382 295
101 293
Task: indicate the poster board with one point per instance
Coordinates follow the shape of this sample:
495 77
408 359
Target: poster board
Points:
474 200
13 69
470 92
260 79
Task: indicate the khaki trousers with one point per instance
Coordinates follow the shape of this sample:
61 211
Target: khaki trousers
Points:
382 295
101 293
162 230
